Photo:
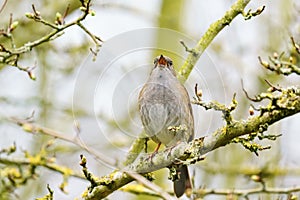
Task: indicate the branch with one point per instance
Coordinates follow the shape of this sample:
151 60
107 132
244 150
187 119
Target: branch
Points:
285 104
194 151
281 64
3 5
296 46
21 170
48 196
54 167
11 56
213 30
202 192
250 170
28 126
246 192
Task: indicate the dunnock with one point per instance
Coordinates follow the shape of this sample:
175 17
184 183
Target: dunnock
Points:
164 103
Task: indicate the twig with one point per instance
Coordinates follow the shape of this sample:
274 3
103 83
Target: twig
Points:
226 110
202 192
3 6
246 192
280 64
196 148
150 185
187 49
247 95
297 47
34 128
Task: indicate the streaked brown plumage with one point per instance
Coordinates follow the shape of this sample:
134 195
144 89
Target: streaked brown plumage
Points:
163 103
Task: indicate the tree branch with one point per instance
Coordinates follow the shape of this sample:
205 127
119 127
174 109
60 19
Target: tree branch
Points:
202 192
282 105
54 167
11 56
247 192
28 126
194 151
213 30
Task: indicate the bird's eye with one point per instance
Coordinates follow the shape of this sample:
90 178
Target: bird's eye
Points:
170 62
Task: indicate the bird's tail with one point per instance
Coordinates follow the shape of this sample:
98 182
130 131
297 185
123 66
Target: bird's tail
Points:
183 183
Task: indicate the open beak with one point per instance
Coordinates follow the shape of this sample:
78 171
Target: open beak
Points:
162 60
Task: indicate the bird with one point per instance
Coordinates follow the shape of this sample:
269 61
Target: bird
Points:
164 103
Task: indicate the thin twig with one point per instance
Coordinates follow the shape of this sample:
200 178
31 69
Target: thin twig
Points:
34 128
3 5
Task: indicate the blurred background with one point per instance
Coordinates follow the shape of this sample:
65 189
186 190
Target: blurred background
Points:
101 96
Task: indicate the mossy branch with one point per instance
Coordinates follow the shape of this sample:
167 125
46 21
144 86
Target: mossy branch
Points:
213 30
49 165
18 171
194 151
284 102
282 64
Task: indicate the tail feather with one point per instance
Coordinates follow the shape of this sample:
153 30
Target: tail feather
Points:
183 183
